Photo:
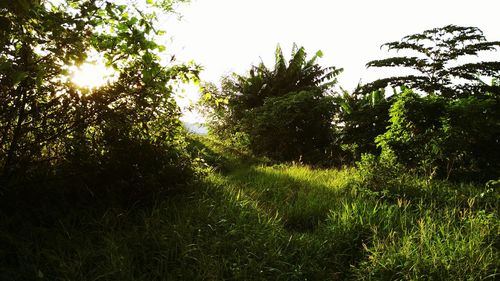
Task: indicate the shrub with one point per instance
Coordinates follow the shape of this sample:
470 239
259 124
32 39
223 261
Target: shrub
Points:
447 138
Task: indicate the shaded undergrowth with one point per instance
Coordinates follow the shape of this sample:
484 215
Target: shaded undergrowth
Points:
244 221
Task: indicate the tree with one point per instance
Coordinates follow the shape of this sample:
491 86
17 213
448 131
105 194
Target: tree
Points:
36 47
45 121
437 51
451 131
285 112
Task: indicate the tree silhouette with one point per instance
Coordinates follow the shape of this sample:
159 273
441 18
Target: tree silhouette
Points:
439 72
45 119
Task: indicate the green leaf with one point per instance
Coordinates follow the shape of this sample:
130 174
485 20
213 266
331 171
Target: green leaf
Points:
5 66
146 75
18 77
133 20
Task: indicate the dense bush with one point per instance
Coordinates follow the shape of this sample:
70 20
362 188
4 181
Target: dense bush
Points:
293 126
359 120
433 135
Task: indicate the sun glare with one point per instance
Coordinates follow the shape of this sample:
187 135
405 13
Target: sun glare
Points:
91 75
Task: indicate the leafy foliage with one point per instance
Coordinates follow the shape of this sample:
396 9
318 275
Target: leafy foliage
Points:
292 127
125 140
437 51
285 112
361 118
438 137
415 133
127 131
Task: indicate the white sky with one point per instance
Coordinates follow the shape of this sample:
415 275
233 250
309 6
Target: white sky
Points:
227 36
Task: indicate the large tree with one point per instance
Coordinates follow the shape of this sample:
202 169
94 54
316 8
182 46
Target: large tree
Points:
284 111
45 119
437 62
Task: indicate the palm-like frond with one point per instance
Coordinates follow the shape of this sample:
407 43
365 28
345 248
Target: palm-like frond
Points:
298 74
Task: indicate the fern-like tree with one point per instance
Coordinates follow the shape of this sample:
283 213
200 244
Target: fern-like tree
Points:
437 62
285 112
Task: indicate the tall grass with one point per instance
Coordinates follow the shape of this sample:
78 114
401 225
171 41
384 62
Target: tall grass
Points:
414 230
281 222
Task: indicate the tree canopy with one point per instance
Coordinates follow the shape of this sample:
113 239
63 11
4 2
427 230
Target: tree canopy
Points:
437 62
46 119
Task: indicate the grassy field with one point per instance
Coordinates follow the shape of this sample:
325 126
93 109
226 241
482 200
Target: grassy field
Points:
247 221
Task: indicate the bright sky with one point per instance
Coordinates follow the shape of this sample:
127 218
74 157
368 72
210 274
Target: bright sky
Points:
231 35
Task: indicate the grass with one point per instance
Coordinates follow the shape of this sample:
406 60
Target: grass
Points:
255 222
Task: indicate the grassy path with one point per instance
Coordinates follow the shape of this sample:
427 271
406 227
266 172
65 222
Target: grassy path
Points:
254 222
326 224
